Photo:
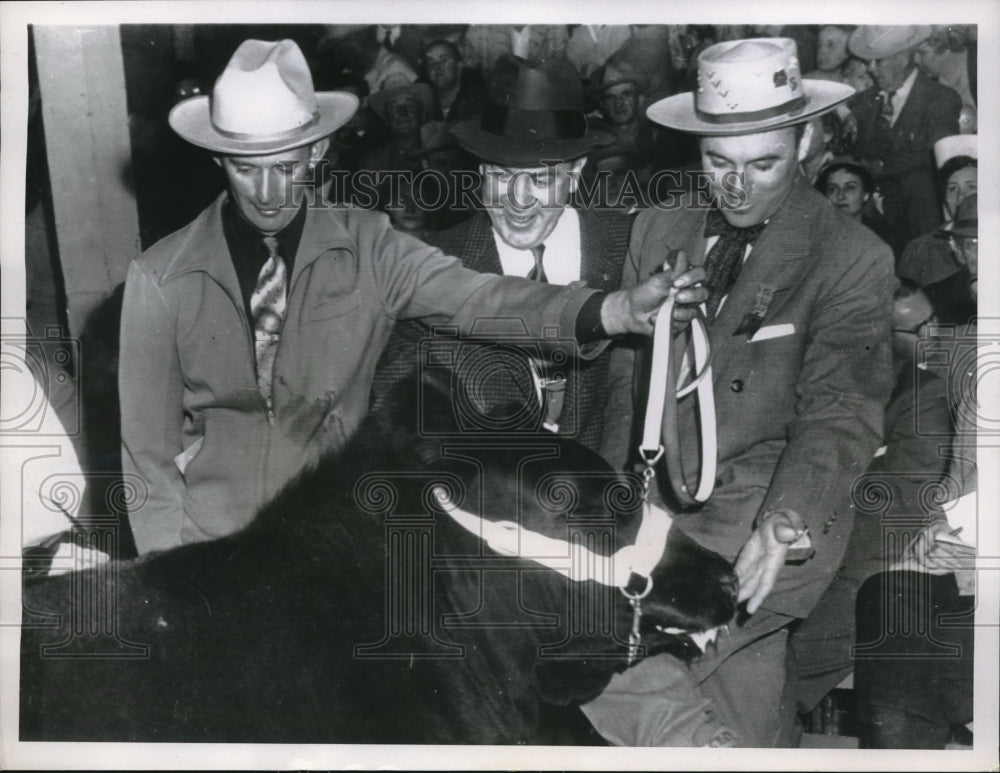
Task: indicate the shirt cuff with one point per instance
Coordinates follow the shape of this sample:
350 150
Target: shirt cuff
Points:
588 321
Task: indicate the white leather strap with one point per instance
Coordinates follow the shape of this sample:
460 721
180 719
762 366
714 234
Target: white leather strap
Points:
574 561
656 439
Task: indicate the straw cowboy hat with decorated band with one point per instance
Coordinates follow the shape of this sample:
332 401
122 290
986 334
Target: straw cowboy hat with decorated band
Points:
263 103
535 114
878 42
747 86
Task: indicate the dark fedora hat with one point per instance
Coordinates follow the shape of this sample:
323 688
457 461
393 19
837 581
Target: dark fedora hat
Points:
535 113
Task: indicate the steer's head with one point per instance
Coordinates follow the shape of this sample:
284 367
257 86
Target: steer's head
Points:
554 503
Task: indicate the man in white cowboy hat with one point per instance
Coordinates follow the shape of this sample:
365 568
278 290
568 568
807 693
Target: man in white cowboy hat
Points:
899 120
530 159
250 336
799 318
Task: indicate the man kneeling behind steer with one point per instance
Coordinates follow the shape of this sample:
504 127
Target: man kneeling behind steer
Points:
249 337
799 317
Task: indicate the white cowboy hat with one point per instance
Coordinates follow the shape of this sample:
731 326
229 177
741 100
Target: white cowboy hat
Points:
747 86
878 42
263 103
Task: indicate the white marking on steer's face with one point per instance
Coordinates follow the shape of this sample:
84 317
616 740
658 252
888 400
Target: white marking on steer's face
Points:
701 639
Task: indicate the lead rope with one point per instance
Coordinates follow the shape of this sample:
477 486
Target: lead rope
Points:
661 435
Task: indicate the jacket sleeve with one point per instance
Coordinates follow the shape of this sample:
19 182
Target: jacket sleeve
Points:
151 390
420 282
619 413
841 394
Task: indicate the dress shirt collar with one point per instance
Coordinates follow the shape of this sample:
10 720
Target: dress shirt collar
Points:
562 252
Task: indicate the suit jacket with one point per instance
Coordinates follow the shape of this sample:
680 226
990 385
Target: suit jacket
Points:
603 243
906 151
800 411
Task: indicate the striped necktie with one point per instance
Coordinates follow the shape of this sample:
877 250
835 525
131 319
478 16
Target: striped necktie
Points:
267 305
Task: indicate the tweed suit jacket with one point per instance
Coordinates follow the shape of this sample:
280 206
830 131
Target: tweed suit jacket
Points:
800 407
603 244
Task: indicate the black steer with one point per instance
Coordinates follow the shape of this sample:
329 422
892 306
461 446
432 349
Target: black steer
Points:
354 610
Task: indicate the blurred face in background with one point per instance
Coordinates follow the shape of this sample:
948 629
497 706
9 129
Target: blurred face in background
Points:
621 103
890 72
404 115
855 73
442 68
846 191
831 48
962 183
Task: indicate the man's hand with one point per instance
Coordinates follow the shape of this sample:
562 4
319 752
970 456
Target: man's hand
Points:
634 310
931 551
763 555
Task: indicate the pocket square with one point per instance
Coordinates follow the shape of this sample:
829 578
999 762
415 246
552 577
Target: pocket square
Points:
773 331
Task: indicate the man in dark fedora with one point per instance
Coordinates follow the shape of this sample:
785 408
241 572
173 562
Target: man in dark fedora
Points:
799 316
532 143
250 336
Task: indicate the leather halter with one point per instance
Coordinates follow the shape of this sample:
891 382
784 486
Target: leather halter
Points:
661 409
571 560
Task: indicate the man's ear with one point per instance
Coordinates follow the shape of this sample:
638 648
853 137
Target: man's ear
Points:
575 170
218 160
806 141
318 149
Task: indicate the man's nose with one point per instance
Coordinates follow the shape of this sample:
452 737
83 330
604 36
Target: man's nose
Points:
267 187
521 192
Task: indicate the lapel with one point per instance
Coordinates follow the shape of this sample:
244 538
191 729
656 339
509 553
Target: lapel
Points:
776 264
912 113
597 264
479 251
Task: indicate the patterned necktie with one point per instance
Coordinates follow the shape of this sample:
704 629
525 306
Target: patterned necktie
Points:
725 259
887 106
537 273
267 305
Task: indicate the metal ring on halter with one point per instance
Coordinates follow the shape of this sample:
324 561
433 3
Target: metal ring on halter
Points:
637 596
661 435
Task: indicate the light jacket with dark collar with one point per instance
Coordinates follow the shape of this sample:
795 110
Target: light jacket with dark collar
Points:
195 428
800 404
603 243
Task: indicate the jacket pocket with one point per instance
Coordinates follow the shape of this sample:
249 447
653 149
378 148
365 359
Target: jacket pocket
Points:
183 459
334 307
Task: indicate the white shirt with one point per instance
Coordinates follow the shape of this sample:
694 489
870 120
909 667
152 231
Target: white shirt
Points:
562 252
561 262
520 42
901 95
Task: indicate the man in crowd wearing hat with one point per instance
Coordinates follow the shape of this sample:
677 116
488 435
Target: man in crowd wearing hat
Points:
799 316
530 166
899 120
250 336
404 106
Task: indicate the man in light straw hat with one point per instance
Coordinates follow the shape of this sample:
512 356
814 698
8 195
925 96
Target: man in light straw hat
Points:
250 336
899 120
799 315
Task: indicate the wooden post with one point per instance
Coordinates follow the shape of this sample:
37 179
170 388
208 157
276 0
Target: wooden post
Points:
82 82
